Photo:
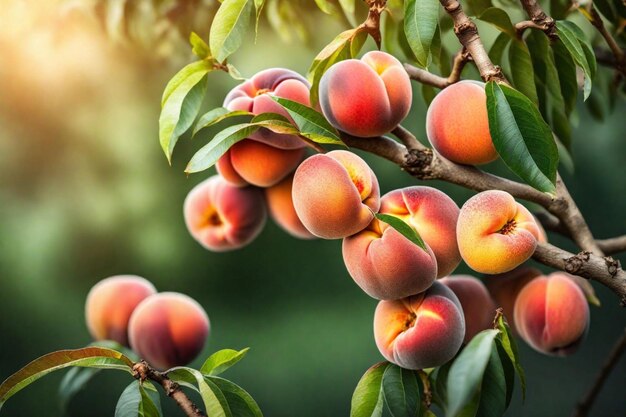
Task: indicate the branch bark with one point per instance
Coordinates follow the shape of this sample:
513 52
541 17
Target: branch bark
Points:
583 407
540 19
142 371
426 77
620 57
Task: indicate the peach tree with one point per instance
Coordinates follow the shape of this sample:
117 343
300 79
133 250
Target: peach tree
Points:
449 341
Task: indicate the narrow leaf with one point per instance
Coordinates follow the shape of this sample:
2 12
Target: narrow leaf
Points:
499 18
568 35
421 18
135 402
403 228
221 360
499 46
214 401
94 357
493 390
401 391
217 115
522 70
199 46
311 123
467 371
510 347
521 137
367 399
229 27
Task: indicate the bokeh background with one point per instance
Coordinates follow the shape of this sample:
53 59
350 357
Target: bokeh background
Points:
85 193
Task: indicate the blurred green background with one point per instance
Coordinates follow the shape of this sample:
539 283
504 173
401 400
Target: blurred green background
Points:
85 193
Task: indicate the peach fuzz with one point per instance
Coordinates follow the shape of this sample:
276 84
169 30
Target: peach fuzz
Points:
457 125
505 287
110 304
367 97
221 216
280 205
552 314
479 309
495 233
335 193
265 157
421 331
168 329
387 265
434 215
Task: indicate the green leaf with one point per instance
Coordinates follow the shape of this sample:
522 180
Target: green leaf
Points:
136 401
240 402
208 155
217 115
569 35
199 46
348 7
325 6
93 357
428 94
509 372
510 347
493 389
476 7
566 69
499 46
222 360
439 381
181 103
367 399
522 70
401 391
467 371
403 228
311 123
421 18
521 137
229 27
214 401
500 19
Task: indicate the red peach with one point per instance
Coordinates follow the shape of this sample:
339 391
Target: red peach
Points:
110 304
367 97
422 331
335 193
221 216
168 329
280 204
434 215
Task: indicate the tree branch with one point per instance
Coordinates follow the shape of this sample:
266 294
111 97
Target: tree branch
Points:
425 77
596 20
605 270
583 407
143 371
540 19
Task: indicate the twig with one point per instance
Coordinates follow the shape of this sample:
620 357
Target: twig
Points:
583 407
605 270
143 371
540 18
407 138
596 20
426 77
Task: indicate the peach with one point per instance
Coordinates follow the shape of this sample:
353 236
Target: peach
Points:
367 97
280 205
110 304
552 314
387 265
421 331
479 309
457 125
265 157
221 216
505 287
335 193
495 233
168 329
434 215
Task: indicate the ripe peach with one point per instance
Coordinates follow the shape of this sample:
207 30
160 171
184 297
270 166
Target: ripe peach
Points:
421 331
505 287
265 157
457 125
387 265
168 329
335 193
434 215
110 304
367 97
495 233
221 216
552 314
280 204
478 307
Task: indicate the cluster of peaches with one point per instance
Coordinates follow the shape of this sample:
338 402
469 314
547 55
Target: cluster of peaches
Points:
166 329
423 317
